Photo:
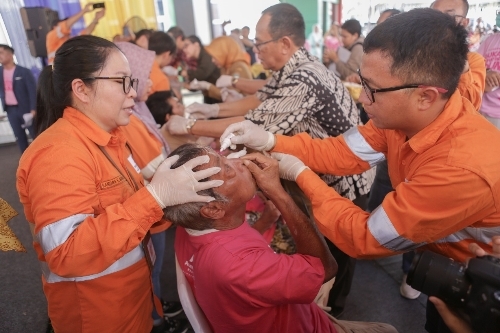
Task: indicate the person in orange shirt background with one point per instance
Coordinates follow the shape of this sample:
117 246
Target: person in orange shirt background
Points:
61 31
164 47
442 155
85 198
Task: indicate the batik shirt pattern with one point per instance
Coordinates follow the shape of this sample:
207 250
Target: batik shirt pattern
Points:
304 96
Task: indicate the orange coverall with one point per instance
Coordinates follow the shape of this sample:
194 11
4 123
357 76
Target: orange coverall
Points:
88 223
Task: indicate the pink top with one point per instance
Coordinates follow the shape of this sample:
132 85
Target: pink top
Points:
8 83
243 286
490 50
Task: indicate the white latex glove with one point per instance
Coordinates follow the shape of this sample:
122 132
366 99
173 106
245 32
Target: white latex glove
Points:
237 154
172 187
230 95
199 85
176 125
249 134
224 81
290 166
203 111
169 70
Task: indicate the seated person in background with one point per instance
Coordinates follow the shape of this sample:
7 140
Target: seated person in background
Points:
164 47
352 41
142 38
205 69
61 31
239 282
233 62
163 105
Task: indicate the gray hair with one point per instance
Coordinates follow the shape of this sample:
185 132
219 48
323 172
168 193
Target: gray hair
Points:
188 215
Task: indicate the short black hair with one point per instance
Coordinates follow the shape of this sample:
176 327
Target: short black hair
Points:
176 32
353 26
7 47
143 32
391 12
159 107
286 20
426 47
161 42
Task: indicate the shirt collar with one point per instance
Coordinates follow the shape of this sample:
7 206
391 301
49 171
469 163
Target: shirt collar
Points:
428 137
91 130
300 57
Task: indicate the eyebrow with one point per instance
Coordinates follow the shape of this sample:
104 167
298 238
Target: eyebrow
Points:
123 73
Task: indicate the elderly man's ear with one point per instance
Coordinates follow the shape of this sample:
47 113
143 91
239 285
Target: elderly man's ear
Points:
213 210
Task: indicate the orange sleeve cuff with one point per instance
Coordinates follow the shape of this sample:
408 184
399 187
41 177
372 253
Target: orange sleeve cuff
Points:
147 213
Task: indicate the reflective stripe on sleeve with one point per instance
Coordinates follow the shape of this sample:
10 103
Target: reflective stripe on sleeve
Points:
58 232
385 233
362 149
482 235
124 262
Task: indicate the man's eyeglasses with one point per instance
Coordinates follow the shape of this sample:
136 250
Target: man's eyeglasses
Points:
459 18
258 45
127 81
370 93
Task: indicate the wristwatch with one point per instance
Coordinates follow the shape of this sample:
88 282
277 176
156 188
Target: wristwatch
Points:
235 79
190 123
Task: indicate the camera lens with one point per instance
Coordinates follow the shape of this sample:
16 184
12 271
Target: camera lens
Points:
436 275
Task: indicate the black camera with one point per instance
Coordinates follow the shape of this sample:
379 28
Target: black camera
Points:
98 5
474 288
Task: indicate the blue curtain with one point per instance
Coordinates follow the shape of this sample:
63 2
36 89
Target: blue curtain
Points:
65 8
9 10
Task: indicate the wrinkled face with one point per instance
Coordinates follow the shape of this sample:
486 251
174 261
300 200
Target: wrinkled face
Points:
269 51
347 38
239 185
392 109
454 8
5 56
109 106
177 107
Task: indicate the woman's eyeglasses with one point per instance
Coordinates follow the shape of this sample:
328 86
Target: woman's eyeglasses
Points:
127 81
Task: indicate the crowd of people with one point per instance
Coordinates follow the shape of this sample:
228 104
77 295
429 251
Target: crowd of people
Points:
276 185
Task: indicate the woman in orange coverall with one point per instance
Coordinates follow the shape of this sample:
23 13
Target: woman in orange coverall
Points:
85 198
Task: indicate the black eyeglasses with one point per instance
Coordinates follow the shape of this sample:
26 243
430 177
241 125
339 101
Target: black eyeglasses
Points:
370 93
258 45
127 81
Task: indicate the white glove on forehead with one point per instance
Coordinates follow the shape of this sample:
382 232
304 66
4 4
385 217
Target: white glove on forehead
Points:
172 187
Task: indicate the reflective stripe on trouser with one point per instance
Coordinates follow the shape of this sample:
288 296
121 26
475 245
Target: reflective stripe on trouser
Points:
383 230
361 148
